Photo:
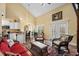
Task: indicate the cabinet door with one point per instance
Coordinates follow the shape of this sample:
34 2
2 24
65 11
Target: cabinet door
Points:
16 25
12 26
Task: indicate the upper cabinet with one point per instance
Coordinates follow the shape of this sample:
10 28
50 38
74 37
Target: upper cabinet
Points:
14 25
11 24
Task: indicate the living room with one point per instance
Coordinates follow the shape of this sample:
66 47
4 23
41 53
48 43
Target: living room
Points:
36 25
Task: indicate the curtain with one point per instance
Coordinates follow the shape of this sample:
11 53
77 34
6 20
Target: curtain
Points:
59 28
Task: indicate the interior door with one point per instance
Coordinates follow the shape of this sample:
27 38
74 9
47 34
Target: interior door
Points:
56 29
59 28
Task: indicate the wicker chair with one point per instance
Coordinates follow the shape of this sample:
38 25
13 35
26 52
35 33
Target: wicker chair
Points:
62 47
65 44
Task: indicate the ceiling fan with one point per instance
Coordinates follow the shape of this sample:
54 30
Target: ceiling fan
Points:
42 4
45 3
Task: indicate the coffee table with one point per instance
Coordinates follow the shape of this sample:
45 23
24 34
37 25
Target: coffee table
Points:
39 48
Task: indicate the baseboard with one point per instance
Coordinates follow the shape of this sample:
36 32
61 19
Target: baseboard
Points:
73 44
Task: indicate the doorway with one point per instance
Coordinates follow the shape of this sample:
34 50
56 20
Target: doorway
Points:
59 28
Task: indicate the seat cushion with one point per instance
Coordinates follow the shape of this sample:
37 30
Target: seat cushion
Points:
63 38
18 48
57 42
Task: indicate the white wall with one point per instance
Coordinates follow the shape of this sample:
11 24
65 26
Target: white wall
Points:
13 25
5 22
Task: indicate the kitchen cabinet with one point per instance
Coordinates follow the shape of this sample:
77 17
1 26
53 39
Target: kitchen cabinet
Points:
14 25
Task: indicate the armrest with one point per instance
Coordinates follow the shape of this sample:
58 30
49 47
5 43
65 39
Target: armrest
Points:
63 43
55 39
11 54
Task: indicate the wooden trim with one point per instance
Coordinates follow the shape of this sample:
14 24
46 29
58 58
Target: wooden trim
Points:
76 11
74 7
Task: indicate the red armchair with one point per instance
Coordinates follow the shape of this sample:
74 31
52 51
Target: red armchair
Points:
16 50
19 48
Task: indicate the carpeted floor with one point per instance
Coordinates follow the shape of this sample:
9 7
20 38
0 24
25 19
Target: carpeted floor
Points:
52 51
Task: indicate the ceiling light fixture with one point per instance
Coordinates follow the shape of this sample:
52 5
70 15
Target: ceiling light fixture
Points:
43 4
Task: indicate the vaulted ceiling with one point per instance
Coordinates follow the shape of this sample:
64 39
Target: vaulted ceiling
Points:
19 10
37 9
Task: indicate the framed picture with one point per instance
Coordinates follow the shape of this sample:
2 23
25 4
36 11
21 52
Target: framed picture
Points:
57 16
